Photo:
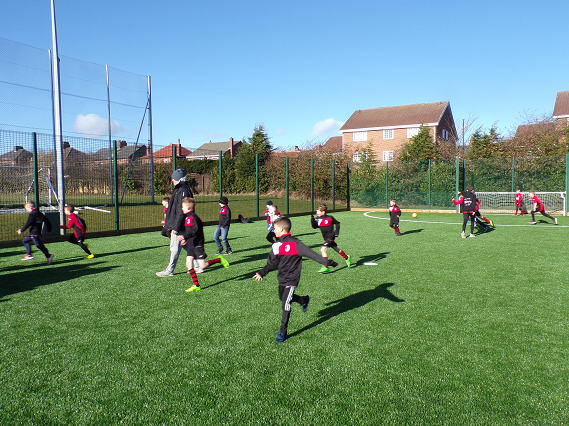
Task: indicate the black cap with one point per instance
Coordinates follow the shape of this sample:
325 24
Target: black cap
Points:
269 203
224 200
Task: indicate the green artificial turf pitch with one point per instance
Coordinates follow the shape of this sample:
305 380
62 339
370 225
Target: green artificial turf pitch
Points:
443 330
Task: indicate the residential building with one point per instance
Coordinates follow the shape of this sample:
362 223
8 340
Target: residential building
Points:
210 150
164 155
18 157
388 129
125 153
561 108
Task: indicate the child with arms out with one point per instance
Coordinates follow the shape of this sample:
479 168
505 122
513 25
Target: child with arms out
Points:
330 229
286 256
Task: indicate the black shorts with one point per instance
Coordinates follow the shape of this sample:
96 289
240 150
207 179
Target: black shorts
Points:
330 243
195 252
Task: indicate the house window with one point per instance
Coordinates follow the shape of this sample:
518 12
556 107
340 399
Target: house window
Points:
445 135
388 134
412 131
358 157
387 155
360 136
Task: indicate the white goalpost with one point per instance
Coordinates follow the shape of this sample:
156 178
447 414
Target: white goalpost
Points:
503 202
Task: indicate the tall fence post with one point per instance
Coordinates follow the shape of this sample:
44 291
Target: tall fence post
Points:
173 158
116 184
220 162
348 189
457 173
286 186
566 181
333 185
429 186
257 183
513 175
312 185
387 184
36 172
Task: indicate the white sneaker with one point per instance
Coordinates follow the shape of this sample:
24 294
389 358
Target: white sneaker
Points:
471 236
198 270
463 235
555 220
164 273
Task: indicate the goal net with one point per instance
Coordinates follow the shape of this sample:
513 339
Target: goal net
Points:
503 202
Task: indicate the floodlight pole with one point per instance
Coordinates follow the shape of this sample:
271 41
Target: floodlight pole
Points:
57 131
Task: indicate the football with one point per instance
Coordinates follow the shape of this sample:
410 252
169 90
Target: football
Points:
414 215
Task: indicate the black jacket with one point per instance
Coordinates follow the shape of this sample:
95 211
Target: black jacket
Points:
329 226
225 216
286 256
35 222
193 230
174 214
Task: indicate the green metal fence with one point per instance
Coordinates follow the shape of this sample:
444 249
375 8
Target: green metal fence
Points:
116 188
431 184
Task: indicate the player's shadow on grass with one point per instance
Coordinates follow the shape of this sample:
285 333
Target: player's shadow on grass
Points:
413 231
112 253
31 279
353 301
19 252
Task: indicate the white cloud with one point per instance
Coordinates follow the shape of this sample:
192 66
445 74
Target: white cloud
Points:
93 125
280 132
326 127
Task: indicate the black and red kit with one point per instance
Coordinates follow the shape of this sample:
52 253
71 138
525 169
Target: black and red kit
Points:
329 226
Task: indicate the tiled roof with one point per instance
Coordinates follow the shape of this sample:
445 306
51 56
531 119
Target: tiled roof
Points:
561 108
525 130
212 149
16 155
404 115
334 144
168 150
122 154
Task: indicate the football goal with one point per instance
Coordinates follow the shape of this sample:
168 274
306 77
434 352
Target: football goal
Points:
503 202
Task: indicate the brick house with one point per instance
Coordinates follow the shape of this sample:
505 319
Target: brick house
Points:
164 155
210 150
18 157
125 153
561 108
388 129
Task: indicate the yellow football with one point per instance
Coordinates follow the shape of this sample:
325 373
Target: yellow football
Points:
414 215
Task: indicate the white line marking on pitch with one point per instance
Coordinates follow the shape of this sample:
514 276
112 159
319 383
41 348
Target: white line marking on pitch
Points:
451 223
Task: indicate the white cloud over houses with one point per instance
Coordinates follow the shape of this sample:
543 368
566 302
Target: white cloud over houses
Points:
280 132
95 126
326 127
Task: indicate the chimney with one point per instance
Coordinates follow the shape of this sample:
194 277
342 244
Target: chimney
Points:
231 147
179 148
122 144
17 148
296 149
66 145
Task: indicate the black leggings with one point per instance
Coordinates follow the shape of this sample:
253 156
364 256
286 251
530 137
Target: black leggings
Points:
533 212
467 215
79 241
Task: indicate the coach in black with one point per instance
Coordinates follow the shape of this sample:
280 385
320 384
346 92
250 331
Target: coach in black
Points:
174 221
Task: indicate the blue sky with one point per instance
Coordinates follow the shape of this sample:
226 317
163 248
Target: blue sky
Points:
301 68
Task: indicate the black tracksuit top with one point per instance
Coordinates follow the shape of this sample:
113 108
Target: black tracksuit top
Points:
326 224
286 256
35 222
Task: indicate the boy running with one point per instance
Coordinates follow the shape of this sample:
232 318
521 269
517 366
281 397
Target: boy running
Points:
330 229
286 256
192 239
79 228
538 207
519 203
35 222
